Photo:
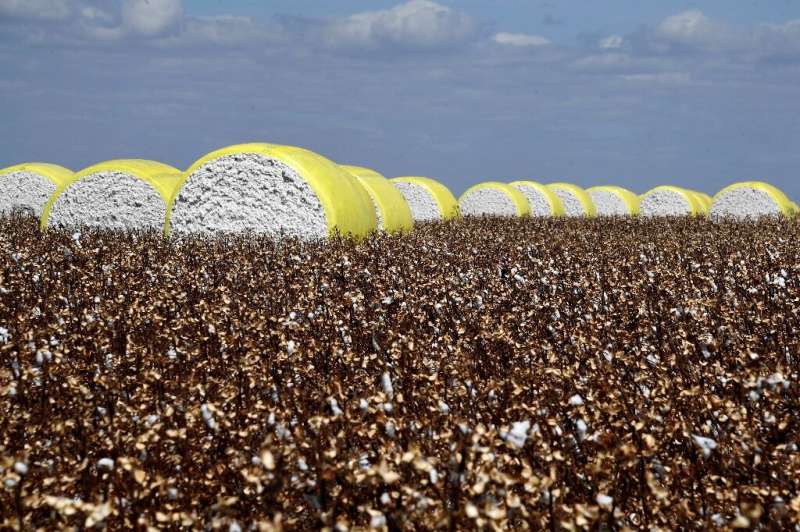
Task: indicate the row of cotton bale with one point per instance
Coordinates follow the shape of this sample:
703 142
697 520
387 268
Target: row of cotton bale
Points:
746 200
258 188
289 191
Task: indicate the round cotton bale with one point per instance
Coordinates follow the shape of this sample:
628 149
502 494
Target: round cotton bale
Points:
614 201
576 201
27 187
541 200
428 199
493 199
391 209
122 194
669 201
750 199
281 191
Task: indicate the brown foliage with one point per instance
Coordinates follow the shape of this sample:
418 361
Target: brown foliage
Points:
482 373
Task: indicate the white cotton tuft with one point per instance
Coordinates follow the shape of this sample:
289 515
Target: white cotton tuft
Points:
386 383
576 400
208 417
518 434
706 445
21 468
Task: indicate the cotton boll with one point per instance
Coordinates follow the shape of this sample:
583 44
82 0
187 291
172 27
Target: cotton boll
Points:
21 468
518 434
706 445
604 501
386 382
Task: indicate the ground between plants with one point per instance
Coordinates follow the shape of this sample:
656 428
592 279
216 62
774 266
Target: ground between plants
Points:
480 373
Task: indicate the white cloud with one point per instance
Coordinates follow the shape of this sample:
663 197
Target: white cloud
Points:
693 29
37 9
414 24
612 42
520 39
151 18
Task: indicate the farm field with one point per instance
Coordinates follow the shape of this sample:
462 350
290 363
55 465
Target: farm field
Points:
476 373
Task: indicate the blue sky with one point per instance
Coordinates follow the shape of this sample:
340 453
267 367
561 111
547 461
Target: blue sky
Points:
625 92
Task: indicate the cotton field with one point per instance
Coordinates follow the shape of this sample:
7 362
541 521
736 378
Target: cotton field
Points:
272 340
483 372
284 191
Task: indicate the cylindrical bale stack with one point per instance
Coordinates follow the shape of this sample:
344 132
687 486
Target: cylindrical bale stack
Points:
392 212
750 200
576 201
428 199
120 194
614 201
541 200
670 201
27 187
282 191
493 199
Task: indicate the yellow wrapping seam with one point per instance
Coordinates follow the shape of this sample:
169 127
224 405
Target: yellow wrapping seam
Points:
393 206
695 205
556 207
630 199
589 210
448 206
164 179
787 206
347 205
708 200
58 175
701 200
516 197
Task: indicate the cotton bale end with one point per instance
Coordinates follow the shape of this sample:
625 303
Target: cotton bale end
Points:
428 199
614 201
28 187
575 200
493 199
119 194
392 212
668 200
751 200
282 191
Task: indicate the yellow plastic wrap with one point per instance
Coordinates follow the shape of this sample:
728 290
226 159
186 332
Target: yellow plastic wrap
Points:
55 173
164 179
788 207
516 197
448 206
589 210
347 205
695 203
556 207
630 199
702 200
393 206
707 200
